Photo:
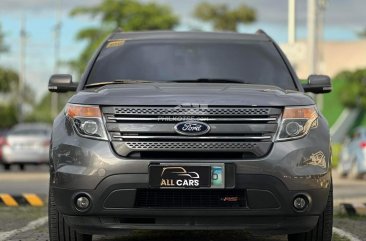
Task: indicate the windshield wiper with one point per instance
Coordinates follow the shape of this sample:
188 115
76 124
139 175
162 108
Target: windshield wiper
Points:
119 81
211 80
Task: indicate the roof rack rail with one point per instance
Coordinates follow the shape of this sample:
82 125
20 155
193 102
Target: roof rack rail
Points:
261 32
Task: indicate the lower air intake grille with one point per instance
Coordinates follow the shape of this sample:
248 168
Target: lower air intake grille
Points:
190 198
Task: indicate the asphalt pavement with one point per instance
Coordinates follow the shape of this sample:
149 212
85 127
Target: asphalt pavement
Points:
30 223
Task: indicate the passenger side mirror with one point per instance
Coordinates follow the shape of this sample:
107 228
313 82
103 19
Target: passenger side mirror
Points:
318 84
61 83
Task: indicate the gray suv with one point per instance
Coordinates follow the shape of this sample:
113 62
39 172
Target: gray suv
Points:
190 131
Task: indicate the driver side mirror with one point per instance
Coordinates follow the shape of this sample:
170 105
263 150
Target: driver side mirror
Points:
61 83
318 84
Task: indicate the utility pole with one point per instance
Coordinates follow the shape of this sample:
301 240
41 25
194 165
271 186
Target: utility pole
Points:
22 66
316 10
291 21
57 34
313 36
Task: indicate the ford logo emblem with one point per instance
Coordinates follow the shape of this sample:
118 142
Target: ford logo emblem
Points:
192 128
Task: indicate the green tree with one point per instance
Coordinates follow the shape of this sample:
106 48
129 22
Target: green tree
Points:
129 15
42 110
222 17
3 47
355 93
8 84
8 80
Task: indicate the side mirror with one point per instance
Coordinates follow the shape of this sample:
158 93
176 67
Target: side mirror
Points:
318 84
61 83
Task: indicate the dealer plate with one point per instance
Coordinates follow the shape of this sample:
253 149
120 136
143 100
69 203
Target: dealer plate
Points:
187 176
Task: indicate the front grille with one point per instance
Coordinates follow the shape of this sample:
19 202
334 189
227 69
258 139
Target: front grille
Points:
142 129
189 145
190 111
190 198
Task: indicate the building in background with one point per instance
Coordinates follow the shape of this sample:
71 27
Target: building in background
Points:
335 56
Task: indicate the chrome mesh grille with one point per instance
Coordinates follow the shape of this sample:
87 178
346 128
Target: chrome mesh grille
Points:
190 111
189 145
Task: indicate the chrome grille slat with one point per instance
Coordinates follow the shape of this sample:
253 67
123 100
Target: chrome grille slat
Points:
148 128
125 148
197 119
124 137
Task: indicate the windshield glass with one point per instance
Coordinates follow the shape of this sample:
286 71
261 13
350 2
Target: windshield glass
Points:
168 60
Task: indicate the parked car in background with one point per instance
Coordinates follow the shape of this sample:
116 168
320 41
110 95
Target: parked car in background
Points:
353 156
2 142
26 144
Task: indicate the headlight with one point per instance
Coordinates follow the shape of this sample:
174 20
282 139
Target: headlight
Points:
87 120
297 121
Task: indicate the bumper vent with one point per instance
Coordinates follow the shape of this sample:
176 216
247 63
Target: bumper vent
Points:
190 198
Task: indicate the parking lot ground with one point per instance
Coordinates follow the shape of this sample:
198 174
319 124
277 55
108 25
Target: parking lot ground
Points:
354 224
17 218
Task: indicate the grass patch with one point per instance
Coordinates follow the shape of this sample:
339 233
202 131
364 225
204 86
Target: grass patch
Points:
351 217
333 106
337 237
336 151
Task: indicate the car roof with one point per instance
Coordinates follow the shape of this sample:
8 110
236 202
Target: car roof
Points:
34 126
173 35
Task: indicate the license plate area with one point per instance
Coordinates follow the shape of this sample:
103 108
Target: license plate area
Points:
187 175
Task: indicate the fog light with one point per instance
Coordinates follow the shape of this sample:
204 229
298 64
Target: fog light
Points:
300 202
82 202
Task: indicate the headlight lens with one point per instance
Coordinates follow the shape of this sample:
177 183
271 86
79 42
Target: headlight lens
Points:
87 120
297 121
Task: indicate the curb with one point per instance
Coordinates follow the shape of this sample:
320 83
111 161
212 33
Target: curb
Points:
352 209
25 199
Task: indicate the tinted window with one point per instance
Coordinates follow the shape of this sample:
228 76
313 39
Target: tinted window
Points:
251 62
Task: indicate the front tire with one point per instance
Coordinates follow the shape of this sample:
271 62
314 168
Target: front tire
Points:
323 230
59 230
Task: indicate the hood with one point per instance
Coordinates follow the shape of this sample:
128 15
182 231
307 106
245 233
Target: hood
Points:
199 93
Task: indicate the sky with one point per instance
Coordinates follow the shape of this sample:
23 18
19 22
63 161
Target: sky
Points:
343 20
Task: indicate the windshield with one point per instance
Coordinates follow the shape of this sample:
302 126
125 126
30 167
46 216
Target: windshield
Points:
169 60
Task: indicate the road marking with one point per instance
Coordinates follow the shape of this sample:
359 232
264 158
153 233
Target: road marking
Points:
33 199
353 209
30 226
8 200
343 233
21 200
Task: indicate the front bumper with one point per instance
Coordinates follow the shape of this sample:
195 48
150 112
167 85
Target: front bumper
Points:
269 208
80 165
